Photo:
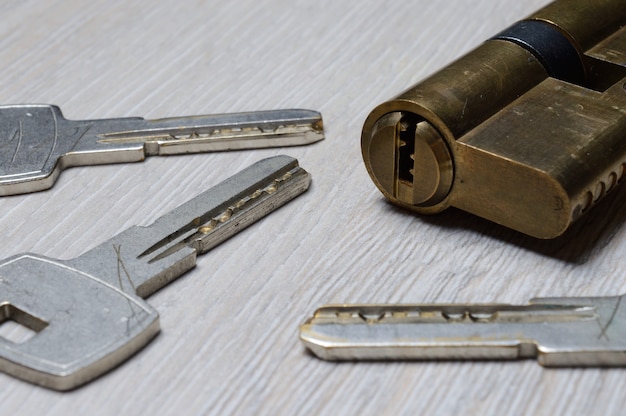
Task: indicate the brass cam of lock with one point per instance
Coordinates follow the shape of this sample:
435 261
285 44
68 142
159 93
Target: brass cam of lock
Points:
528 130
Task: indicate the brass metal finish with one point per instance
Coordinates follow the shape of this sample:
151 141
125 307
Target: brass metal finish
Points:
497 134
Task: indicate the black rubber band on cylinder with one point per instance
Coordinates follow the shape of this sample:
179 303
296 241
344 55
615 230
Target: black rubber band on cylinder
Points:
551 47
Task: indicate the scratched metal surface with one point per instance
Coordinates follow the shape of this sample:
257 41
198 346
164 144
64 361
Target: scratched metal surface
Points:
229 327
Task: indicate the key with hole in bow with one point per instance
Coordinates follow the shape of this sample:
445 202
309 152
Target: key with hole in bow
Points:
88 312
37 142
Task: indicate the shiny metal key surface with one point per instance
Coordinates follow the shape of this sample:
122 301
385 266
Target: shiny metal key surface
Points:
37 142
557 331
88 312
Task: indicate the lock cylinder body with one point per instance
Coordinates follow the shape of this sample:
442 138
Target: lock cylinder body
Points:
528 130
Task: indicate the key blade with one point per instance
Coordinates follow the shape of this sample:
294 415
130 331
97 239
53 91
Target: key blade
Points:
221 132
426 332
270 189
141 260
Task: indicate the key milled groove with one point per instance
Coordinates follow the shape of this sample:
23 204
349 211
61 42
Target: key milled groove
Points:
372 314
195 133
213 225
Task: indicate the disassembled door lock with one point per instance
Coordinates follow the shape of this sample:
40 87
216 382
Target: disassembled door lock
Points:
528 130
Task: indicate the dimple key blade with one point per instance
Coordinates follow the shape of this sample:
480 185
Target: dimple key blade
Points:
557 331
88 312
37 142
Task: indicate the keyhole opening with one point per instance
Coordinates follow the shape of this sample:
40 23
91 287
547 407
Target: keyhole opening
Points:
17 326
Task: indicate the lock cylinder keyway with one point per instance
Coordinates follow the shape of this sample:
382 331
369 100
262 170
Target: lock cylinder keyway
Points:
528 130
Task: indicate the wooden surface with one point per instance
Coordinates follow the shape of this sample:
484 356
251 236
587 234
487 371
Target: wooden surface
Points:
228 341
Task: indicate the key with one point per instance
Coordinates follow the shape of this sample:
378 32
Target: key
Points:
37 142
527 130
557 331
88 312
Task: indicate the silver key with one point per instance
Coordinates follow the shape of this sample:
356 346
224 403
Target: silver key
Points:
88 312
557 331
37 142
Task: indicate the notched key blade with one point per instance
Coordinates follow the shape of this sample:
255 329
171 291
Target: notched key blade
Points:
157 254
567 332
222 132
270 191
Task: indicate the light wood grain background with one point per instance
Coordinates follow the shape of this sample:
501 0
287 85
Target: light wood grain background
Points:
229 328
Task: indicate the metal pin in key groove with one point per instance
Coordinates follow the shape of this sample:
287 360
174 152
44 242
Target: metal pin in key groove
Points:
37 142
88 312
557 331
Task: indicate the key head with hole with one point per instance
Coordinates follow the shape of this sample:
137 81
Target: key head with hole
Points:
64 305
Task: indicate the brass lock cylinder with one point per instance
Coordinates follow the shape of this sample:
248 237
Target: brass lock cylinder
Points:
527 130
